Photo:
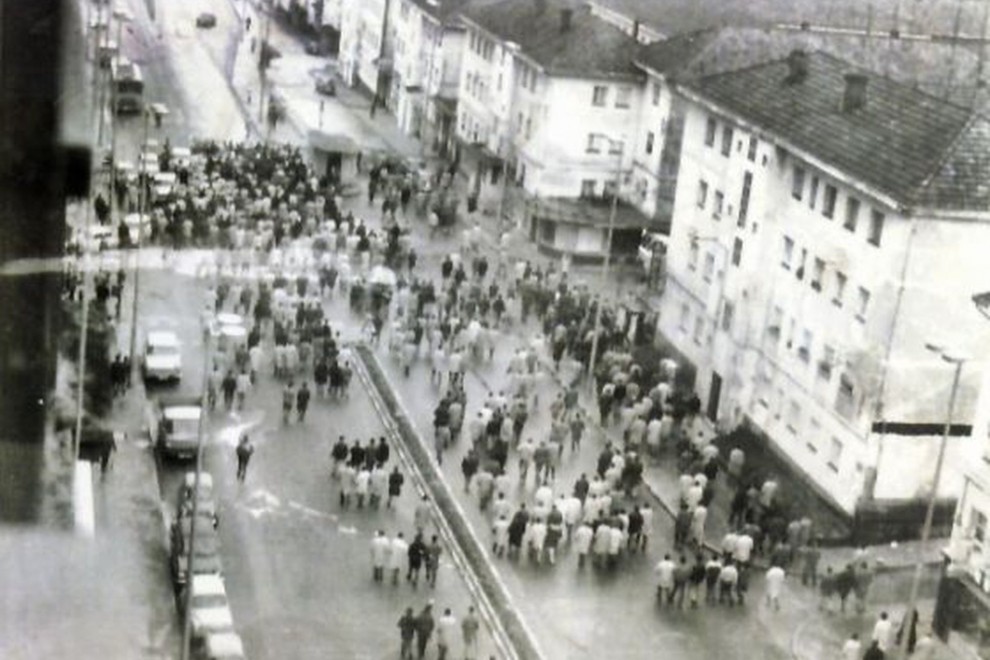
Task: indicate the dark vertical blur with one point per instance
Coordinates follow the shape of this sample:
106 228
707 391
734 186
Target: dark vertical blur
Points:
32 225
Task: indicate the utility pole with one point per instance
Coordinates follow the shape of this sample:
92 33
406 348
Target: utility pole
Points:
263 62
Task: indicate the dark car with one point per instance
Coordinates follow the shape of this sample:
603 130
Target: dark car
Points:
206 554
326 87
206 20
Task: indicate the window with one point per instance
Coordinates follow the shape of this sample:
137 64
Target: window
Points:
852 214
845 402
813 192
804 350
649 142
817 272
599 96
699 328
977 526
656 93
797 183
710 129
776 319
592 146
799 273
744 199
609 188
737 246
614 147
719 200
709 270
622 97
751 151
813 435
685 317
876 227
863 304
788 252
529 126
791 331
726 140
702 193
588 188
828 204
693 256
793 416
728 310
834 454
840 288
825 364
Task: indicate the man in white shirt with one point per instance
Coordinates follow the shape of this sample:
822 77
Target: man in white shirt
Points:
446 630
853 648
582 542
882 632
775 582
400 548
500 530
379 554
665 580
743 550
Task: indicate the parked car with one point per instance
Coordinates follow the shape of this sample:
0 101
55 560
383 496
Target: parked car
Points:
206 506
173 425
162 359
206 550
223 646
209 610
326 86
206 20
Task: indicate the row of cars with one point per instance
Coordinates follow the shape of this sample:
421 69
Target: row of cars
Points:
202 588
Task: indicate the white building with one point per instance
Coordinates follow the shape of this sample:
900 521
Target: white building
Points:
364 26
553 92
827 223
428 48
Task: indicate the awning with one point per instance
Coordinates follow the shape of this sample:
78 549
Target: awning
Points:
589 213
332 142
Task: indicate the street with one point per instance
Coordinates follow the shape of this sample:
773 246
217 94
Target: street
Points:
297 568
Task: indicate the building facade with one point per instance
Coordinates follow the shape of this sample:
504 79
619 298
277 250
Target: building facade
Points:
367 35
824 228
551 94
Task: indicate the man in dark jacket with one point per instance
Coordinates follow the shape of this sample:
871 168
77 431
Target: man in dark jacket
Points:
424 628
408 625
417 552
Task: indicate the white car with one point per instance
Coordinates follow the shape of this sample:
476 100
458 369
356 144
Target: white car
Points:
209 610
162 357
223 646
100 237
137 222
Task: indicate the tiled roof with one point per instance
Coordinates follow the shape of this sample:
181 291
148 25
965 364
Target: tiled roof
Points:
442 10
590 47
906 143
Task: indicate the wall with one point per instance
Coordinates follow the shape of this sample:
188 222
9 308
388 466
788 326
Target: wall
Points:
557 151
654 111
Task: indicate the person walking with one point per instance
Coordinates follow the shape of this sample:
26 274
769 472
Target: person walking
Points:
243 386
302 400
424 629
229 386
852 648
408 625
665 580
469 634
775 582
288 401
433 552
395 480
883 632
446 629
244 451
416 554
379 555
399 549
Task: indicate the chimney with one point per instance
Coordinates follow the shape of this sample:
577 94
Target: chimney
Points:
797 67
565 19
635 29
854 96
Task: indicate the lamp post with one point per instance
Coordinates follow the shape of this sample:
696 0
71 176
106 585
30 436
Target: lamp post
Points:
606 263
159 111
926 530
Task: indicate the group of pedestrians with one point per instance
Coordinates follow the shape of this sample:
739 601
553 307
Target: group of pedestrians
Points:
416 630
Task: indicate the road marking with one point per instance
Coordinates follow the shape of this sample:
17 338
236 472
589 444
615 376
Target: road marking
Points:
302 508
347 530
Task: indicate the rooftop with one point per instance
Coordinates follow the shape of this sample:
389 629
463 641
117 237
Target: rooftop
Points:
442 10
581 46
906 143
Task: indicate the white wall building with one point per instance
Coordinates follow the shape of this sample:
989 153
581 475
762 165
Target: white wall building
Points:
553 92
364 24
827 223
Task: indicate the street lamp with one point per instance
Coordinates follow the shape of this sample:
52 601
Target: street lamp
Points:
158 110
608 249
958 360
